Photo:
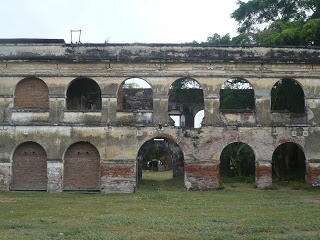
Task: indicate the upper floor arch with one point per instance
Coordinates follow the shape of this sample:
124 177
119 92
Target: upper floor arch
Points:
185 100
83 94
134 94
237 95
31 93
287 95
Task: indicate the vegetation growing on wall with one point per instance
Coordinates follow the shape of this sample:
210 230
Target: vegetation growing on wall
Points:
287 95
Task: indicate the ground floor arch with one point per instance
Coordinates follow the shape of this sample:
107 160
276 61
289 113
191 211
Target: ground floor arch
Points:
29 168
288 162
160 154
81 168
237 160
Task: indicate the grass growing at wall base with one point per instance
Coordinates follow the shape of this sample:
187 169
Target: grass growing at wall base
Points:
162 209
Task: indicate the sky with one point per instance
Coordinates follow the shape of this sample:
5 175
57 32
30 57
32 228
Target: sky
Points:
118 21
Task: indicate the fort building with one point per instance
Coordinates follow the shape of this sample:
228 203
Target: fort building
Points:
73 118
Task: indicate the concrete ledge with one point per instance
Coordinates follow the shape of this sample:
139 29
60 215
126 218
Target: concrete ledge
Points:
29 117
81 117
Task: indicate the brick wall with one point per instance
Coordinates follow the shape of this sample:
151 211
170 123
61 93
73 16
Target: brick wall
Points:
29 167
31 93
81 167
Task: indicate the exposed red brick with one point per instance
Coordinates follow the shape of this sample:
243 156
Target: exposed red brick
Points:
31 93
313 175
29 167
82 167
263 171
118 170
202 176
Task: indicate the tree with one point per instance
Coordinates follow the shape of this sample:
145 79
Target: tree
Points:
287 22
251 14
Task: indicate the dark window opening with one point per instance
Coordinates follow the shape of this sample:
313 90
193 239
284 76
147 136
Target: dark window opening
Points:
237 95
84 95
185 101
135 94
288 163
160 159
237 161
287 95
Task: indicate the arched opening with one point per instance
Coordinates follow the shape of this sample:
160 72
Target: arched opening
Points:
159 159
31 93
186 99
84 94
237 162
29 168
81 168
287 96
135 94
288 163
236 95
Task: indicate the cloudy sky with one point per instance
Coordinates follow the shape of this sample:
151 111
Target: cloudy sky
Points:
166 21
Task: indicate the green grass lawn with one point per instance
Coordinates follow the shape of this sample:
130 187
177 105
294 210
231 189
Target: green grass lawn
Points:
162 209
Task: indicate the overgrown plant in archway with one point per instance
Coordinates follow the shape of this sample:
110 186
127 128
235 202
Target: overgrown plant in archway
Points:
287 95
237 94
237 160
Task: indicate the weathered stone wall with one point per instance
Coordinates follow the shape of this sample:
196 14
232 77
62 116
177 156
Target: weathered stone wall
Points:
117 136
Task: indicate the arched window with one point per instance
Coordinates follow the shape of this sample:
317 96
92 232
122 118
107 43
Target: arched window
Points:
84 94
288 162
237 160
185 101
31 93
287 96
237 94
135 94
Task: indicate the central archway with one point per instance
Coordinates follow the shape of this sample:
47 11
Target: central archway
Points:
160 154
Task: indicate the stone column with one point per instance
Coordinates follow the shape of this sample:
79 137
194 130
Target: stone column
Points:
5 176
55 176
118 176
263 174
201 175
313 172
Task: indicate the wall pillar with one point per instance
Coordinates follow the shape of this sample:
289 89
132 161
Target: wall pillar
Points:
204 175
5 176
55 176
263 174
118 176
313 173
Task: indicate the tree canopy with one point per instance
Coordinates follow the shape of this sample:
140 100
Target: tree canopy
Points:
285 22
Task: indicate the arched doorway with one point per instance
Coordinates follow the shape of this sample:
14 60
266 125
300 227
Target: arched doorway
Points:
186 99
237 162
29 168
81 168
83 94
160 155
288 163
